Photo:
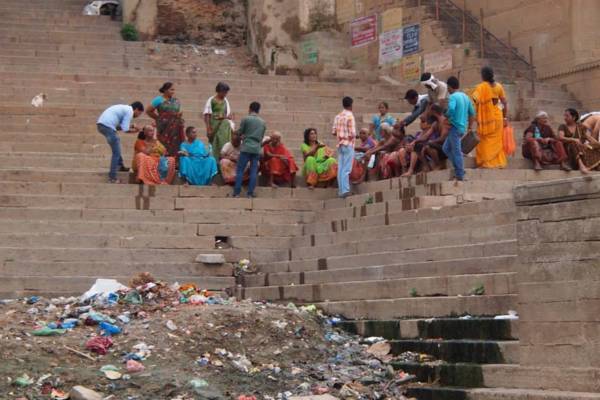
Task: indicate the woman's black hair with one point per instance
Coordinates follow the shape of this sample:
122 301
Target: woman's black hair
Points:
573 113
487 74
189 130
307 132
222 87
385 104
141 135
166 86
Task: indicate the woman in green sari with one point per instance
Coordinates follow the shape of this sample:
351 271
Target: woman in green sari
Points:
319 163
218 119
166 111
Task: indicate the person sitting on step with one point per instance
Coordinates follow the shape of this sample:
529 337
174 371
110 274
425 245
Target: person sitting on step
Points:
196 165
383 117
541 145
412 153
432 152
230 154
360 165
278 163
320 165
152 165
582 148
388 164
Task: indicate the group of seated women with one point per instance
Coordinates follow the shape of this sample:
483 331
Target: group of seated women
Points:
576 146
153 166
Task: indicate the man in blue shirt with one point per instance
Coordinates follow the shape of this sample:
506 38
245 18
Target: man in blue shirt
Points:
113 119
461 115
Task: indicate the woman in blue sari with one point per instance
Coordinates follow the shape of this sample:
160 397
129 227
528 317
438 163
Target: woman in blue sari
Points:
196 165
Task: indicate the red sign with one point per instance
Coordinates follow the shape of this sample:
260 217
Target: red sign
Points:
363 30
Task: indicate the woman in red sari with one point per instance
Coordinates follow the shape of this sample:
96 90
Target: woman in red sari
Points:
166 111
278 163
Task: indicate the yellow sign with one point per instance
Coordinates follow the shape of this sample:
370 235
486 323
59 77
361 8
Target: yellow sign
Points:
391 19
411 68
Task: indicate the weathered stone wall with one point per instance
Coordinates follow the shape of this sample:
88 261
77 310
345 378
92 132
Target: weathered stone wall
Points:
559 274
276 29
206 22
143 15
563 34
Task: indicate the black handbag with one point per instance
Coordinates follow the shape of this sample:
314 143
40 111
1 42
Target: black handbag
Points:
469 141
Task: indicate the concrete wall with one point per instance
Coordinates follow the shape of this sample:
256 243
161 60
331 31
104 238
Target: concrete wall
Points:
276 28
143 15
563 34
559 274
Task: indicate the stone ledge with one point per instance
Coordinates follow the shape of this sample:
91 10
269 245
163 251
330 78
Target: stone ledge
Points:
560 190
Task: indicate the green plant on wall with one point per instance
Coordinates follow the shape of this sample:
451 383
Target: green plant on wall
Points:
130 33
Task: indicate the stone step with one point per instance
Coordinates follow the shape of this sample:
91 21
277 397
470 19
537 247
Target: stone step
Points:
362 216
119 255
109 242
96 189
156 203
462 350
278 232
551 377
400 226
524 394
91 268
263 218
152 79
76 285
401 241
474 265
474 328
457 285
421 307
496 248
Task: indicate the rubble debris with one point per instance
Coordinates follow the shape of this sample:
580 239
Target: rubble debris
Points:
220 348
83 393
38 100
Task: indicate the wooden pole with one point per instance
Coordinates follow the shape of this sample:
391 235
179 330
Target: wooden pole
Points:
532 71
464 22
437 10
510 59
481 48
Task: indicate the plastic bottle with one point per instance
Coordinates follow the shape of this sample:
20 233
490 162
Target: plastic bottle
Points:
109 329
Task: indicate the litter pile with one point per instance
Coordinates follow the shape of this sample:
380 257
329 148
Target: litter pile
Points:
154 340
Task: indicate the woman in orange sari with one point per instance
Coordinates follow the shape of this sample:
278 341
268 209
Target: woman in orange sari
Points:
487 97
278 163
152 166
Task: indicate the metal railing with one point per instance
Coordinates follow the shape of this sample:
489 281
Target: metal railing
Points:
472 29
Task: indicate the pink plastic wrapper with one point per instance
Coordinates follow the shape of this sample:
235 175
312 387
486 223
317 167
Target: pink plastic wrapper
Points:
134 366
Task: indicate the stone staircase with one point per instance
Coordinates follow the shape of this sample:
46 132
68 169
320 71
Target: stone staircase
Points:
389 259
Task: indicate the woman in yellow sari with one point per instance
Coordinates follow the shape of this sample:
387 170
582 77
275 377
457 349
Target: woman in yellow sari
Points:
487 97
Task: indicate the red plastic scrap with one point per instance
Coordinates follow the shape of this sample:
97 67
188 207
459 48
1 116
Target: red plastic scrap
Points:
99 344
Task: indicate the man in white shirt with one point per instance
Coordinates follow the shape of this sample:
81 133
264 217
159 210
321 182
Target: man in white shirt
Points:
113 119
436 89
